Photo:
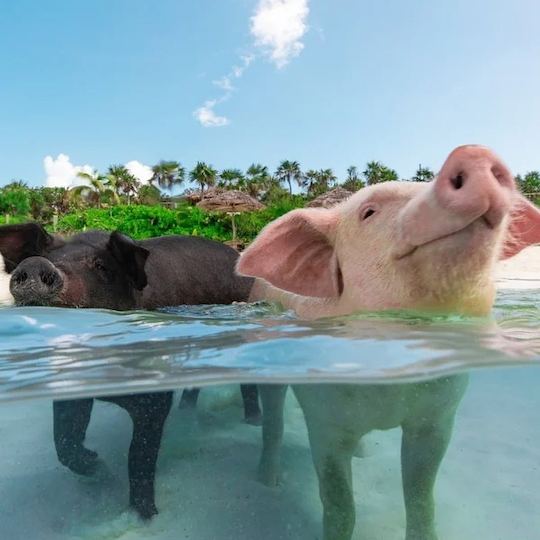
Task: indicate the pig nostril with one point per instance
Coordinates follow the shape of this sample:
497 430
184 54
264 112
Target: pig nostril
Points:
21 277
47 278
457 181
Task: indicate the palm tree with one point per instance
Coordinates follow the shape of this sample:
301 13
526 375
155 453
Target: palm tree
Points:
353 181
122 181
319 182
311 178
231 179
376 173
287 171
327 179
204 175
168 174
423 174
95 189
257 177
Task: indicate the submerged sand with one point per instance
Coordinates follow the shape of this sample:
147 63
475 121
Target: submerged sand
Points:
488 486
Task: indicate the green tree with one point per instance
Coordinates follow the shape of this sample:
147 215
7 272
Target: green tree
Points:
204 175
149 195
57 199
231 179
530 183
15 199
319 182
95 190
423 174
311 177
257 179
121 181
288 171
167 174
353 182
327 180
376 172
38 207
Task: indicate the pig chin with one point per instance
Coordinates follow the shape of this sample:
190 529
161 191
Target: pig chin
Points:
455 273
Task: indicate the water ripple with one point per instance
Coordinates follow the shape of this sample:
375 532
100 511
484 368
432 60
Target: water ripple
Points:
74 353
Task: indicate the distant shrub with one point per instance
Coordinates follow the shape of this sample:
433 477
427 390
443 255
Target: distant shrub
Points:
148 221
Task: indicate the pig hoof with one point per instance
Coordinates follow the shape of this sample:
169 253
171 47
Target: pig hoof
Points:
83 462
146 511
268 478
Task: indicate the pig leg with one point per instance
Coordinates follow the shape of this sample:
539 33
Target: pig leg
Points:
70 421
273 402
148 412
422 450
189 398
250 397
332 448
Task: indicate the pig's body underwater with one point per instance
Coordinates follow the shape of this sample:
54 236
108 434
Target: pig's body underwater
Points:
422 246
109 270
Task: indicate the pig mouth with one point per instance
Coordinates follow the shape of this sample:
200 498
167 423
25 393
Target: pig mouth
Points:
481 224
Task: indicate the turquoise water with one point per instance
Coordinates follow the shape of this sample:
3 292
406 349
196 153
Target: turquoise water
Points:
488 487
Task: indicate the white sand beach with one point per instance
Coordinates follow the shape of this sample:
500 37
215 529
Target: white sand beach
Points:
521 271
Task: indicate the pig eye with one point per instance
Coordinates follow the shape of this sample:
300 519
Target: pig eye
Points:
98 265
367 213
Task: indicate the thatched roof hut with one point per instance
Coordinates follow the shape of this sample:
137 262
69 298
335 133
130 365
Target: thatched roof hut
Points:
229 201
194 197
330 198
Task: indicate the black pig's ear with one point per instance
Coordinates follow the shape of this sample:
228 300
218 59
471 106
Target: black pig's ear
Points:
131 256
18 242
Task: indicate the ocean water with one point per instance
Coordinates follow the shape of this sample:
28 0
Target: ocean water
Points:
206 486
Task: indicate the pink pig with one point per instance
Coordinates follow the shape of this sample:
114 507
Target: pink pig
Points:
425 246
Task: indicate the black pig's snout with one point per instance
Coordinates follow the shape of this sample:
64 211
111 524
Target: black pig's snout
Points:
35 281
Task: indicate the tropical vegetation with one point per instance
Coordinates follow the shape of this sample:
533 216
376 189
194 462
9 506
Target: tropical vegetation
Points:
117 199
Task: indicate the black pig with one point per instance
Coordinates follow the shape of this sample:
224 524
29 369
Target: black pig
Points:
110 270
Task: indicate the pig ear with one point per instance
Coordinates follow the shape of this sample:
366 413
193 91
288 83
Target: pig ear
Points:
131 256
296 253
524 229
18 242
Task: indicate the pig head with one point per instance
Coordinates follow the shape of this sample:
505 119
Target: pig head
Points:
92 269
426 246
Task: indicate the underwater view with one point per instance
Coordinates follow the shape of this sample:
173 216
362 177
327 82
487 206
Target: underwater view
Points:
269 270
206 483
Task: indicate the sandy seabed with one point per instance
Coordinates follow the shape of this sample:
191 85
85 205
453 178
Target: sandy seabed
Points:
488 486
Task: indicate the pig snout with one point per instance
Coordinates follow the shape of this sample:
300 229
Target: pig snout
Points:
36 281
472 185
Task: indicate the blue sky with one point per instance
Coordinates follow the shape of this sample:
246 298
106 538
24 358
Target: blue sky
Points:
329 83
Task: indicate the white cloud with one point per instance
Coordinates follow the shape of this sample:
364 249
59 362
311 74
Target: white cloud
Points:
139 170
207 117
278 26
60 172
238 71
224 83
